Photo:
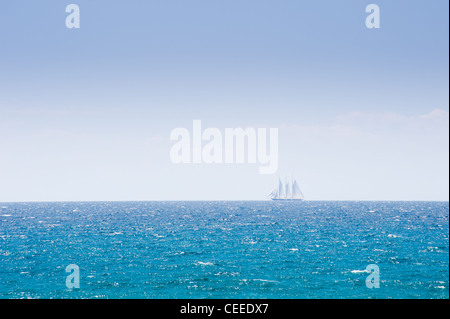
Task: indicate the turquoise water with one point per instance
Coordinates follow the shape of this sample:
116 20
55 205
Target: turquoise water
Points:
224 249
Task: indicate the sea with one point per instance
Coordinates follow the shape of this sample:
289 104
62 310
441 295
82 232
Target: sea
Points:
225 249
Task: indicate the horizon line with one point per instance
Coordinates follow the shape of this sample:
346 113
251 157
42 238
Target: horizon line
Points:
219 200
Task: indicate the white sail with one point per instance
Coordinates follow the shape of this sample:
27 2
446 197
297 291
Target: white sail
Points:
288 191
281 193
274 193
296 192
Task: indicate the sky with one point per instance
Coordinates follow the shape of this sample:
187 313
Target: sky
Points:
86 114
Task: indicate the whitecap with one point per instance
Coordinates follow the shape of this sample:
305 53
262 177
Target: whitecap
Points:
358 271
266 280
200 263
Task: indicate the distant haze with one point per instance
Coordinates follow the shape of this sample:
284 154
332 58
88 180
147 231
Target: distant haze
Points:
86 114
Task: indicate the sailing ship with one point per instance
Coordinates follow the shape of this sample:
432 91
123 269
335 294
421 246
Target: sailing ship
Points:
288 191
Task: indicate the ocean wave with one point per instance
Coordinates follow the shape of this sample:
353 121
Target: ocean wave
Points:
266 280
356 271
201 263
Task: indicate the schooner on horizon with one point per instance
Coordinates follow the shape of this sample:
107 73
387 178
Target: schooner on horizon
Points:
287 191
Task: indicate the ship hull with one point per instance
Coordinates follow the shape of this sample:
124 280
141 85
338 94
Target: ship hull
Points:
288 200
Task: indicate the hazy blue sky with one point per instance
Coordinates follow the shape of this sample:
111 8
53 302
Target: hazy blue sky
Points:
85 114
